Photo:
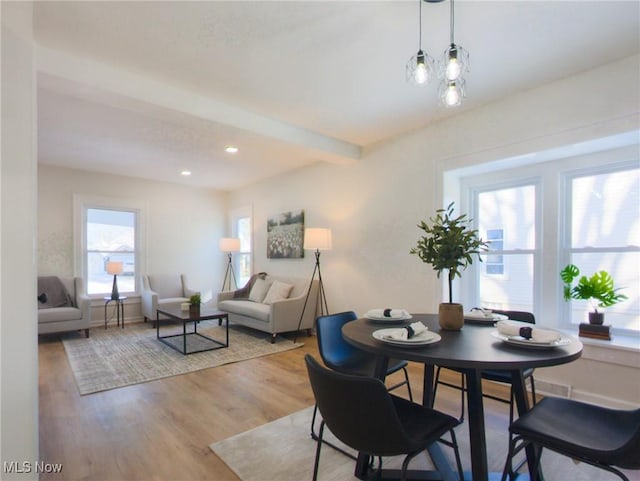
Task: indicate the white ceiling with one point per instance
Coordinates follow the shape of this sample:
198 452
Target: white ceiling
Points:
148 88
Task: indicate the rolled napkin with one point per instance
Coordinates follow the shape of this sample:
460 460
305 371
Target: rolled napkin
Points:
388 313
527 331
407 332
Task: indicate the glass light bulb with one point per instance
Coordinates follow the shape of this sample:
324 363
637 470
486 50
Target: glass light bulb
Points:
453 69
420 74
452 96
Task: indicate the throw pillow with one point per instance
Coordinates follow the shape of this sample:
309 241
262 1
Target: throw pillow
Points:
277 292
258 290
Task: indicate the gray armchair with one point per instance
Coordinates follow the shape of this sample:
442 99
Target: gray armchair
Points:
163 290
75 315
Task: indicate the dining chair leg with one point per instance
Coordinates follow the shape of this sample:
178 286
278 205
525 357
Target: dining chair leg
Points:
318 448
406 378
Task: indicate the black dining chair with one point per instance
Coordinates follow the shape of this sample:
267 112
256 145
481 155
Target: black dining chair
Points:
606 438
339 355
494 375
362 414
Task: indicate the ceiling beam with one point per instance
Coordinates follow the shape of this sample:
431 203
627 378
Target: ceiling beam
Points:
130 89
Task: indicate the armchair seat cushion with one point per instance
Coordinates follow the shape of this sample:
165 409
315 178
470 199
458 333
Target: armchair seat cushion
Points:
58 314
172 300
256 310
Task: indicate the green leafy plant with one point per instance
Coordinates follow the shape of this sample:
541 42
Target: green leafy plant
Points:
449 244
195 300
598 287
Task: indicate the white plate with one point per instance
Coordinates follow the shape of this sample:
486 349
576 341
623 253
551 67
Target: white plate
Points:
522 342
478 317
425 337
377 315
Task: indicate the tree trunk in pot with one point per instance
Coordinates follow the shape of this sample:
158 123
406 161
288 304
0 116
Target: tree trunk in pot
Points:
450 316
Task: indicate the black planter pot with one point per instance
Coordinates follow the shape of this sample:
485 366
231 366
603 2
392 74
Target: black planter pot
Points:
596 318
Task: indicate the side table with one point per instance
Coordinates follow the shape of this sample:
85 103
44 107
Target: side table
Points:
119 309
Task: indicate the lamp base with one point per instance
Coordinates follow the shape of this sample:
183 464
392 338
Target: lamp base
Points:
115 295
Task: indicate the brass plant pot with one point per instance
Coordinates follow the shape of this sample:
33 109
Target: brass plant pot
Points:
450 316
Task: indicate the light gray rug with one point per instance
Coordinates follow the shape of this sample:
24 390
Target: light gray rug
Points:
283 451
115 357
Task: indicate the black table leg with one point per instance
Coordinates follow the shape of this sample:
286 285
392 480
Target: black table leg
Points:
477 440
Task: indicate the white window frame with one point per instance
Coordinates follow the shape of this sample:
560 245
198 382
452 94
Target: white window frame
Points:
565 250
498 181
550 308
81 203
235 215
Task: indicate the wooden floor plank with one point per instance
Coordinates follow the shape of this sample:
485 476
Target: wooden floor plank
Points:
161 430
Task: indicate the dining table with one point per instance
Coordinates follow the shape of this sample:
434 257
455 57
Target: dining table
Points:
472 349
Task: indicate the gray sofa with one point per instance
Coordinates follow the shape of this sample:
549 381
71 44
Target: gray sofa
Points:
279 316
75 316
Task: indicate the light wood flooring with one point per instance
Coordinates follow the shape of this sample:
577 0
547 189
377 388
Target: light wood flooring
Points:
161 430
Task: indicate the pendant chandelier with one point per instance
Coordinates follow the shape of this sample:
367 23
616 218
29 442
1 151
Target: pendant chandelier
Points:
451 68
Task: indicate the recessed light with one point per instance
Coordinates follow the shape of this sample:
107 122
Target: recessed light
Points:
231 149
185 173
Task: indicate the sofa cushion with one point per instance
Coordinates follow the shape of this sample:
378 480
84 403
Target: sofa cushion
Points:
259 290
171 300
57 314
246 308
277 292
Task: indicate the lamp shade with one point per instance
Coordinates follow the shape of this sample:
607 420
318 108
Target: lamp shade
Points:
229 244
115 268
317 238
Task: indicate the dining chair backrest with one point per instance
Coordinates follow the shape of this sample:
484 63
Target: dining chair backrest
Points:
522 316
358 410
334 350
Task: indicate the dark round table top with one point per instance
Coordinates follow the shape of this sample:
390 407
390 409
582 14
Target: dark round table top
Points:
473 347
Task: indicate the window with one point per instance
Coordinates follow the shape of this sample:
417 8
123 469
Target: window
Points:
506 217
241 228
583 209
602 232
495 262
107 230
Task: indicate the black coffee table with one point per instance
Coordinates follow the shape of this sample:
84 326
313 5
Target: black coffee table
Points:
202 342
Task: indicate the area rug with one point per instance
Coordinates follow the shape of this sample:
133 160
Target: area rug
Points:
283 450
114 357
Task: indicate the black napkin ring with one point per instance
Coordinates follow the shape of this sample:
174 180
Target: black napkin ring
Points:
387 313
410 332
43 298
526 332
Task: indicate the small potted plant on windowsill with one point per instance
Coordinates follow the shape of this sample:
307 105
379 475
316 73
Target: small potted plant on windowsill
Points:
449 244
194 304
598 289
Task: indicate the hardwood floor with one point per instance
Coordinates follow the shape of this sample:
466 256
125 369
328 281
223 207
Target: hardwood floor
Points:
161 430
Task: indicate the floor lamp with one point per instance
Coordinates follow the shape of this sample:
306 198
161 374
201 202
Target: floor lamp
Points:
229 245
319 239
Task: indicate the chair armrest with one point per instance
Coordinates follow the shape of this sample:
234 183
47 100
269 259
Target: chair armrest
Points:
225 295
149 301
84 304
285 313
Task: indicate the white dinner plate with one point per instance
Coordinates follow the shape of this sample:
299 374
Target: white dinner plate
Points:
378 316
480 318
529 343
425 337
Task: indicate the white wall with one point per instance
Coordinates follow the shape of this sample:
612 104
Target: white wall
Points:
373 206
18 345
183 225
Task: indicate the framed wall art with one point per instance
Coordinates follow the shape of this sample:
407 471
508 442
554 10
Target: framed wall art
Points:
285 235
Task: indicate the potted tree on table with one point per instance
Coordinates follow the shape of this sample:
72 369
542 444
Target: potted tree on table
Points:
598 289
449 244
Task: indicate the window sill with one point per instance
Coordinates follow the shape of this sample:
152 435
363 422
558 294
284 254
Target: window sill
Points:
621 350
